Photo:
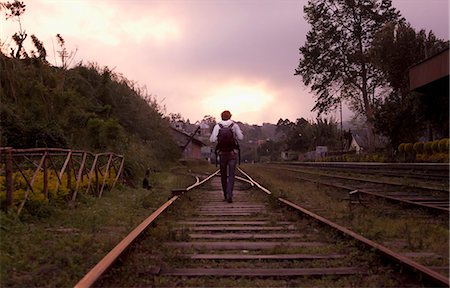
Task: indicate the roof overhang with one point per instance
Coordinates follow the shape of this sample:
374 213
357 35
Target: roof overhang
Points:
430 73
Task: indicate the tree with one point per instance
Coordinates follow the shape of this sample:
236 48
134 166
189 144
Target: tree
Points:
15 10
402 115
297 135
334 60
284 126
325 133
397 119
176 117
304 136
396 47
208 120
64 55
40 52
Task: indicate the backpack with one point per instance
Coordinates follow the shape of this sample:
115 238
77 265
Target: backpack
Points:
225 139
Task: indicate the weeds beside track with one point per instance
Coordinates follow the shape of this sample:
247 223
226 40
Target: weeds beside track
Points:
204 241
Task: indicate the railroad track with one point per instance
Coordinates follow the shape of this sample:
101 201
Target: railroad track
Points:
421 196
435 172
255 241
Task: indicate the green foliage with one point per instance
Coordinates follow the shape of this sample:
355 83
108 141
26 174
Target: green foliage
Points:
396 118
401 147
402 115
409 148
106 134
428 148
435 151
78 237
86 107
435 146
40 52
418 147
444 145
57 194
397 46
334 59
305 136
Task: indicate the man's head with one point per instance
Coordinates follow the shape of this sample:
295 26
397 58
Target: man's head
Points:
226 115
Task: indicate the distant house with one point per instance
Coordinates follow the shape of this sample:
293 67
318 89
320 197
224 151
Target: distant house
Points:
316 155
190 146
359 141
356 144
289 155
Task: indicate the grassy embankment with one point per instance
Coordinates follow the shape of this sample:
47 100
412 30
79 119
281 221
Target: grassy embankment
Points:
402 230
56 251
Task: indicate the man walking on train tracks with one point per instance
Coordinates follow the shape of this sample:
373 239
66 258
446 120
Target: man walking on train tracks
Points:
227 133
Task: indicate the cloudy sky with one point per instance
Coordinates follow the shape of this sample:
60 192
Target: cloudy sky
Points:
200 57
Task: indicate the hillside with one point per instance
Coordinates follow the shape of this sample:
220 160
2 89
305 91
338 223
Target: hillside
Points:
85 107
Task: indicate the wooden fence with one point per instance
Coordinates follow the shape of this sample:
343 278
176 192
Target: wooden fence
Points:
71 168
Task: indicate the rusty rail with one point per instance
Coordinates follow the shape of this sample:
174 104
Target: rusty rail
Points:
107 262
75 164
95 273
435 278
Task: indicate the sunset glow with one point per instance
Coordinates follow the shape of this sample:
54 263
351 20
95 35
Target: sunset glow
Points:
240 98
102 22
197 58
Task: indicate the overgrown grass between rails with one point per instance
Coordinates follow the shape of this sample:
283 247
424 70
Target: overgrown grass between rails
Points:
57 248
378 220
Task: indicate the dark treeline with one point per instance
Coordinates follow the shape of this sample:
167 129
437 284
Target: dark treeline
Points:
85 107
359 53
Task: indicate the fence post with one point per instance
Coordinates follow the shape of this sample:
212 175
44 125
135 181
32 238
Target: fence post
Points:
69 173
119 173
106 174
45 175
9 178
79 177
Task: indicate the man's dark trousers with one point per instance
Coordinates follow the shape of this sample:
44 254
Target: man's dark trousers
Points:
227 172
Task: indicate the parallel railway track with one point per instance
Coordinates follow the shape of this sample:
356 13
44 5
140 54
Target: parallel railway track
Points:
258 240
419 195
436 172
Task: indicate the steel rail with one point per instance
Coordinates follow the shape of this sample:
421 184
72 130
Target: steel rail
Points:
406 201
95 273
429 207
368 180
421 171
245 180
432 276
107 262
198 183
254 182
371 165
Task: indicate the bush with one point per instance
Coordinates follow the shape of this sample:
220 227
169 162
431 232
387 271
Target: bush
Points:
428 148
37 203
409 148
435 146
439 158
444 145
418 147
401 148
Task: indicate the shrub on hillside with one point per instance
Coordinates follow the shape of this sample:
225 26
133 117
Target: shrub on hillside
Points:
444 145
435 146
418 147
428 148
401 148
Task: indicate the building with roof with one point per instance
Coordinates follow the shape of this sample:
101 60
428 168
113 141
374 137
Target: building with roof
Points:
430 78
190 146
